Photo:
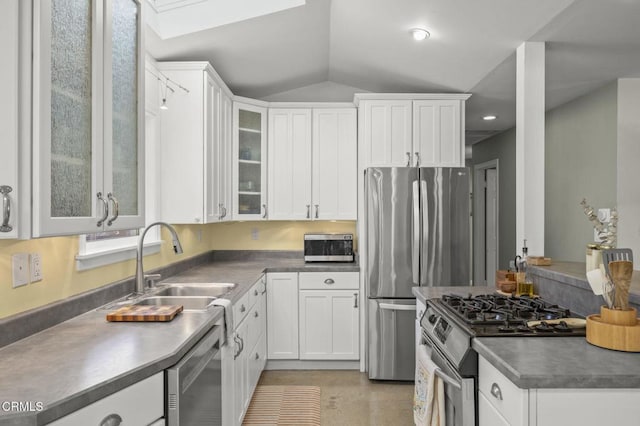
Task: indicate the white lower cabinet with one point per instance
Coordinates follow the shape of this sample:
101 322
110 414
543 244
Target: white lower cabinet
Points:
243 358
501 402
329 318
282 315
139 404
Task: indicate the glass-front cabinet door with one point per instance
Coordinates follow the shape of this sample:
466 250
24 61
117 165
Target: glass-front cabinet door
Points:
87 139
250 159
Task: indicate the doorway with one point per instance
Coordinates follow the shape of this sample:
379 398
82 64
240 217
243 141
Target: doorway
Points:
486 229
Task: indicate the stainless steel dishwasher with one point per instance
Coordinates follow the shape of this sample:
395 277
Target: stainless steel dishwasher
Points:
194 385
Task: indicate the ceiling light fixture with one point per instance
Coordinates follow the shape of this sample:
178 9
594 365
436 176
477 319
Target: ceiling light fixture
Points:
419 34
489 117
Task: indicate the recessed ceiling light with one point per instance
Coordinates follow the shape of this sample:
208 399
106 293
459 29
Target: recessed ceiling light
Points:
419 34
489 117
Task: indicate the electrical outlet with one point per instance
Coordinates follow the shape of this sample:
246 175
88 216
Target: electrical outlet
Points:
36 267
20 269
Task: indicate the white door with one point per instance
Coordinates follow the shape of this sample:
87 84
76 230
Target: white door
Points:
282 315
289 147
329 324
335 164
385 127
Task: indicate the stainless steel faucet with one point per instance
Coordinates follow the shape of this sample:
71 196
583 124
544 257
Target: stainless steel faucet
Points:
177 248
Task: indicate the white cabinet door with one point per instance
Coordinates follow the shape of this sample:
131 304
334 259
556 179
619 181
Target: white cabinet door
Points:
249 162
488 415
335 164
385 129
329 324
10 190
88 111
196 146
282 315
289 147
139 404
438 133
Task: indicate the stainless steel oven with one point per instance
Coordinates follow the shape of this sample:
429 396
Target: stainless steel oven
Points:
194 385
459 392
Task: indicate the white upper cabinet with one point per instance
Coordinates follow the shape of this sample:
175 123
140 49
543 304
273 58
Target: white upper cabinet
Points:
14 195
412 130
312 163
196 144
88 111
249 161
438 133
289 174
385 128
335 160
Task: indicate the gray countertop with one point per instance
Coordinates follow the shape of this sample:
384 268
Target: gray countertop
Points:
550 362
79 361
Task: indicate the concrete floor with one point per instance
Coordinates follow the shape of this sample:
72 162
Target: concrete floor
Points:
349 398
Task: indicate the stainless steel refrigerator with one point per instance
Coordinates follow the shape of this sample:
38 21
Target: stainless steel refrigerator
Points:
418 233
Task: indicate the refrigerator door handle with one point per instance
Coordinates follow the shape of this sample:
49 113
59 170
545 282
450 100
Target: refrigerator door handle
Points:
395 307
415 248
424 227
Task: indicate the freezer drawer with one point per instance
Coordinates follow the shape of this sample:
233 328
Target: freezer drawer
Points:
392 339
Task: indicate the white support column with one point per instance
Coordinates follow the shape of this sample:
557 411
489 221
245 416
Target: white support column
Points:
530 108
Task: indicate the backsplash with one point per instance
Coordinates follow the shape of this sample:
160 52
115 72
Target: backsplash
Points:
62 280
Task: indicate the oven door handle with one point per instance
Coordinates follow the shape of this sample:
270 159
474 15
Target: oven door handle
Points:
447 379
394 307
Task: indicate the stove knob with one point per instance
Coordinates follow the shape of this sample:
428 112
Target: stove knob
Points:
433 318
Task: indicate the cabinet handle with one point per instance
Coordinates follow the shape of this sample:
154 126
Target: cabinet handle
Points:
264 215
242 308
6 208
317 207
236 339
308 211
496 392
224 212
265 286
417 159
255 314
111 420
355 300
257 355
116 208
255 292
408 159
105 209
221 211
329 281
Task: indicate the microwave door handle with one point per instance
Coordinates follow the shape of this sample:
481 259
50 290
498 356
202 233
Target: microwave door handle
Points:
415 244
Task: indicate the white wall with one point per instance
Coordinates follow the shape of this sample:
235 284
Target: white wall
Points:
628 159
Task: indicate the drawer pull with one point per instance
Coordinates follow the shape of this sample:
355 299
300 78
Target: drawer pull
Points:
255 292
355 300
496 392
329 281
111 420
257 355
242 308
255 314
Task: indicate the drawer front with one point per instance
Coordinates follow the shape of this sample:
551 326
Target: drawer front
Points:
258 290
508 399
329 280
240 309
139 404
257 320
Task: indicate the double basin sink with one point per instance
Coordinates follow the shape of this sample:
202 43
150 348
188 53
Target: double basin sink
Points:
192 296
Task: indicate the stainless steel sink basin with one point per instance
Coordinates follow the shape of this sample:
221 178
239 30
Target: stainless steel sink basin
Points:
196 289
189 303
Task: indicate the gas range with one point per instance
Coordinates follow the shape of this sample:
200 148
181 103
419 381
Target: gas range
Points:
453 320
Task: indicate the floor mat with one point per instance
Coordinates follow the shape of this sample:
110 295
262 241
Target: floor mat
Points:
284 405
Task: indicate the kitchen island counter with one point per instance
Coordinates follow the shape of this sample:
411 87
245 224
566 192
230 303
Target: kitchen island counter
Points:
549 362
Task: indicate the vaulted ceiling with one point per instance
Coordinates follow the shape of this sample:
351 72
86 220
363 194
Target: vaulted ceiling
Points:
338 47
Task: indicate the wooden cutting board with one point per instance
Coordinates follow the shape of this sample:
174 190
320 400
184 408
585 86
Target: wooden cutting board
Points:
145 313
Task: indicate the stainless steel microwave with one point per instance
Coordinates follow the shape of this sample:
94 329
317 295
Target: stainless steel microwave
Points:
328 248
